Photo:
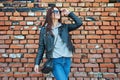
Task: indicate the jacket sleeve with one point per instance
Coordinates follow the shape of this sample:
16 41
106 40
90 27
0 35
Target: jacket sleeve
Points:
41 48
77 24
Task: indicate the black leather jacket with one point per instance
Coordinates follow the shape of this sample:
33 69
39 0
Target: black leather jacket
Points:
46 40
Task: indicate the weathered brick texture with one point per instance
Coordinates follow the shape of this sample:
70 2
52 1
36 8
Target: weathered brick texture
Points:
97 43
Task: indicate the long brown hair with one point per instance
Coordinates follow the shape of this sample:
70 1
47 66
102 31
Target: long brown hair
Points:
49 20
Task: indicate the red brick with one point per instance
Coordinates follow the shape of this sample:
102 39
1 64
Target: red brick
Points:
84 60
109 46
114 32
115 51
47 0
99 32
98 23
2 60
117 18
101 0
96 9
84 41
108 41
73 69
91 65
24 14
24 32
32 36
106 32
73 4
23 51
109 75
107 18
116 41
94 56
4 18
107 65
24 60
29 65
16 46
76 41
36 74
20 74
90 13
96 5
81 69
30 5
32 32
38 14
104 14
85 50
77 65
16 60
8 41
76 32
8 60
2 32
99 60
14 65
28 69
76 60
87 1
17 32
4 46
107 60
108 37
31 18
66 4
115 60
76 55
31 41
107 27
8 13
88 69
106 23
109 55
72 0
114 23
111 9
93 37
117 4
16 18
22 23
31 59
31 46
2 14
16 13
8 23
8 74
21 69
29 55
2 23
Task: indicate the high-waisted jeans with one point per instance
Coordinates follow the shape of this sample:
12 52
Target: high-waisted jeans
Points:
61 68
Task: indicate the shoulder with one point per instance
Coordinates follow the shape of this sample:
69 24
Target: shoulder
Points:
42 29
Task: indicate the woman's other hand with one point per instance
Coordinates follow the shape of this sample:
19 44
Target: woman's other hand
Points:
36 68
65 12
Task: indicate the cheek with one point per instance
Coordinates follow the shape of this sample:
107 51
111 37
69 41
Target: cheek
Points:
53 15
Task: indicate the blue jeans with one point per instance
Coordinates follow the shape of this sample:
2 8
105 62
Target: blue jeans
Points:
61 68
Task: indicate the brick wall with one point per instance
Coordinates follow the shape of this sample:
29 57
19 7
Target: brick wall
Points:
97 42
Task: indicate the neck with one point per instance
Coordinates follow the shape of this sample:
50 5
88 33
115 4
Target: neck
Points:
55 22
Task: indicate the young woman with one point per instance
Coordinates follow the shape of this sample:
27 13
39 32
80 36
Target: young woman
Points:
53 30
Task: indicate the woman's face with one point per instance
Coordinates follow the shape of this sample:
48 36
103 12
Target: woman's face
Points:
55 14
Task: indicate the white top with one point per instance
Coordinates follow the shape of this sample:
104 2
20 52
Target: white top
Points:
60 49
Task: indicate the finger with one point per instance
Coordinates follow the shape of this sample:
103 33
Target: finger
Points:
36 69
